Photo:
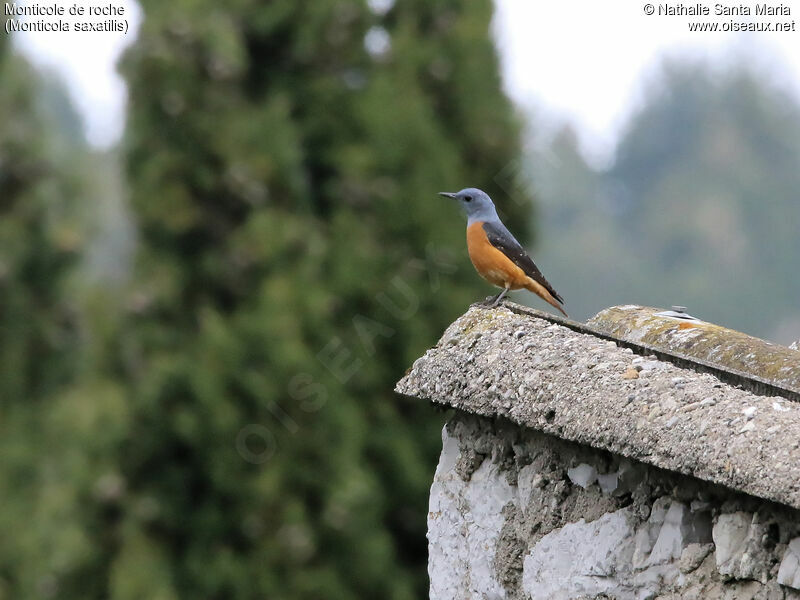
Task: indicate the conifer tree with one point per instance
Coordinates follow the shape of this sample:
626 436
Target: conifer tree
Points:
294 258
49 433
697 208
40 239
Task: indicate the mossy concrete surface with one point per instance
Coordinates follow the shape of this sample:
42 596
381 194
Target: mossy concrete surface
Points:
580 387
711 343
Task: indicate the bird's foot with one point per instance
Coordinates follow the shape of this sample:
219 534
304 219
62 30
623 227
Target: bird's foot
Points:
493 301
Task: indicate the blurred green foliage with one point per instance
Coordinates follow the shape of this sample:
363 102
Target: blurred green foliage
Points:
223 425
700 207
40 237
284 160
226 426
46 195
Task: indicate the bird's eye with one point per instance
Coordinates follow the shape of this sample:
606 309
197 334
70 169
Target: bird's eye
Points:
468 198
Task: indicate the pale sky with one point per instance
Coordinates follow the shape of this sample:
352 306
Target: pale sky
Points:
585 61
87 63
588 60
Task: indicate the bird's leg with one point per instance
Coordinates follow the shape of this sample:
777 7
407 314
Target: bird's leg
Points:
490 300
499 297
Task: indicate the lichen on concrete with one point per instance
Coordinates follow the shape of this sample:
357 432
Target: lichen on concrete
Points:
574 468
581 388
705 341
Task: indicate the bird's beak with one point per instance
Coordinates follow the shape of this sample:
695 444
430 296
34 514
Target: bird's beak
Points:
447 194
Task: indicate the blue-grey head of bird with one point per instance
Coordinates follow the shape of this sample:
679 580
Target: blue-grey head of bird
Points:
476 203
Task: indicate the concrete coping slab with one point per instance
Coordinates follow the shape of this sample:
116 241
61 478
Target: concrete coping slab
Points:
597 388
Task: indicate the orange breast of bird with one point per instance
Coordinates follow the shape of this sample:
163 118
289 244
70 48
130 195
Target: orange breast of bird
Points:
494 266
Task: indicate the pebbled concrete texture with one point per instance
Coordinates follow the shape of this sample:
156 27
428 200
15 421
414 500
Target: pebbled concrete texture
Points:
704 341
515 525
576 469
581 388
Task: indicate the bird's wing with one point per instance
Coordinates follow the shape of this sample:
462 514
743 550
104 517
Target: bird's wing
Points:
501 238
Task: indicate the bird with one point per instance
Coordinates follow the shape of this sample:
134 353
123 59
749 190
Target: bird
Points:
496 254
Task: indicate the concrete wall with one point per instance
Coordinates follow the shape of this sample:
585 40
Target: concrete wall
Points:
520 514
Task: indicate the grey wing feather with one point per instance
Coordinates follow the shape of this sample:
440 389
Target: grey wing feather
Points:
501 238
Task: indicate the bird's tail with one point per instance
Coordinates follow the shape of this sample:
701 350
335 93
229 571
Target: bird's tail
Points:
538 289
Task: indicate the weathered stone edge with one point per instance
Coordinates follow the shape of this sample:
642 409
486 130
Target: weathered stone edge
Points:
762 459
